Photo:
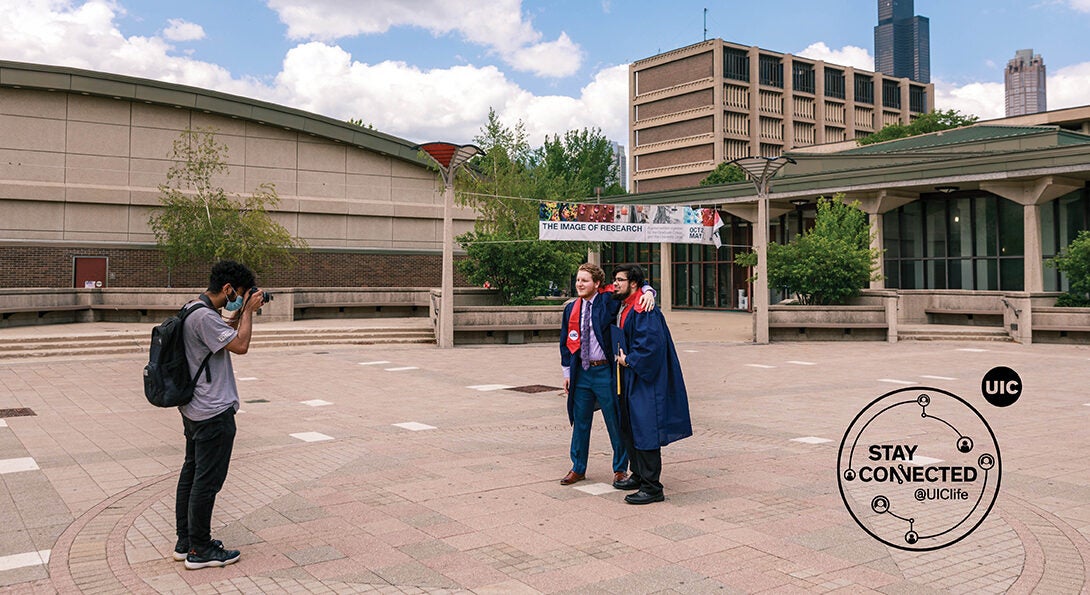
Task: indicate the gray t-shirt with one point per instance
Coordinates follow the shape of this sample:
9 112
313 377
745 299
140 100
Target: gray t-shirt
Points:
204 331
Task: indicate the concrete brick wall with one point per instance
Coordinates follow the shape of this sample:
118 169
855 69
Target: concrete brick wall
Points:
671 182
679 103
676 130
47 266
677 156
677 72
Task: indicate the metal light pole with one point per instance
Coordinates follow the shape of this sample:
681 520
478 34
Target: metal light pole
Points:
449 157
760 171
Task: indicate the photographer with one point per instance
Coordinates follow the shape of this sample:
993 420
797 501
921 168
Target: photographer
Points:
209 419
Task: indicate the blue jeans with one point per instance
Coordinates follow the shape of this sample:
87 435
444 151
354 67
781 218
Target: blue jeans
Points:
594 384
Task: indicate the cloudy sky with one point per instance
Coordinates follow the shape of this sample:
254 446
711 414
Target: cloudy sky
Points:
429 69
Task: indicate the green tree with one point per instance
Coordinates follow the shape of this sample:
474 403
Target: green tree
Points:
505 186
520 270
829 264
578 165
1074 261
198 222
724 173
931 122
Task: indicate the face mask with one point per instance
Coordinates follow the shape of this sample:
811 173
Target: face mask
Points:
234 304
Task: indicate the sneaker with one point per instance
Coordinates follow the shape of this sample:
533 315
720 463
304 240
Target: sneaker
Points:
181 549
214 556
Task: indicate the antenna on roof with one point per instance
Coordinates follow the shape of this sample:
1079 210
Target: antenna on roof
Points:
705 24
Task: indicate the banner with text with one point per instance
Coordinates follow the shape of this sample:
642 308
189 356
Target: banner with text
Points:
627 223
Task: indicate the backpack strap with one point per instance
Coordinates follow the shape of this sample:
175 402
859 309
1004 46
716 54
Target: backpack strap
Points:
205 302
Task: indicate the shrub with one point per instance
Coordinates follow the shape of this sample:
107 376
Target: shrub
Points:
831 263
1074 261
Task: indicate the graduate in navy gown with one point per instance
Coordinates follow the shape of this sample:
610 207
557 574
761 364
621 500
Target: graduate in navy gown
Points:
654 407
587 360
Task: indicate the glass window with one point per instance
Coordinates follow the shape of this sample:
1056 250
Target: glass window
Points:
987 274
960 224
891 234
681 285
1011 274
912 274
984 220
960 274
726 293
1011 228
893 273
936 274
694 285
936 228
912 230
710 289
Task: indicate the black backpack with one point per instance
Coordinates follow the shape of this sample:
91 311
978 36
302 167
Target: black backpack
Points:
166 377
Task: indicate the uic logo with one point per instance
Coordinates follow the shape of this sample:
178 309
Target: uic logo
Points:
919 469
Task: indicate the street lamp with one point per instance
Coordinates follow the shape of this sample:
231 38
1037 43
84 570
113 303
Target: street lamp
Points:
449 157
760 171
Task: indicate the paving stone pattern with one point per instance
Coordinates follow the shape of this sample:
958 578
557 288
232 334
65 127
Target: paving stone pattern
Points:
474 505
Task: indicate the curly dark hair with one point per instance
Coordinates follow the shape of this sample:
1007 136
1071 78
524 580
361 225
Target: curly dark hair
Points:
633 272
228 271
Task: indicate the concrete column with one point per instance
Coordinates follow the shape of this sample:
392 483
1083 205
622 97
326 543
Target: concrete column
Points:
876 243
666 264
760 284
1031 194
594 256
446 306
1034 278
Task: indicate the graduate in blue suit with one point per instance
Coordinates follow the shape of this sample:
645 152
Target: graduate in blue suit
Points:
588 362
654 407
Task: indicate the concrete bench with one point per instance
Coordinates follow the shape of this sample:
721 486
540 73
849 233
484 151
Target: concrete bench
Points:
41 311
1063 328
849 325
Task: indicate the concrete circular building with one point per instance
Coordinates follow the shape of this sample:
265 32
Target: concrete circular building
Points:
82 155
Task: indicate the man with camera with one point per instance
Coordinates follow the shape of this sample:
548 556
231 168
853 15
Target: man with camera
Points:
209 418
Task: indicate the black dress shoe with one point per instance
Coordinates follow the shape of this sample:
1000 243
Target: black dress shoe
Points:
642 497
631 483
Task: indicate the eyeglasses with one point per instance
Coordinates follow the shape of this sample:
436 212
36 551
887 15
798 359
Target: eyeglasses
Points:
620 279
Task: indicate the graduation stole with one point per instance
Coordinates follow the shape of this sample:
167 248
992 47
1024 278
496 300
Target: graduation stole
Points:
573 327
632 301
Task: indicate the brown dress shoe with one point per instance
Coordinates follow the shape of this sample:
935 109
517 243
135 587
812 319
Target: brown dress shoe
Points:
619 476
571 478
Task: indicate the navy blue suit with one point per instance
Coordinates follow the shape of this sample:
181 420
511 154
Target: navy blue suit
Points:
596 385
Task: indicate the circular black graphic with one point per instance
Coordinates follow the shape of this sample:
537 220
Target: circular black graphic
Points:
1001 386
919 469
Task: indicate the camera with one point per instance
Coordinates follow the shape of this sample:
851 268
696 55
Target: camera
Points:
268 296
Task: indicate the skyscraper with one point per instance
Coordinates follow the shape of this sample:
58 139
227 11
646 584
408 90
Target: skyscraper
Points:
621 162
902 41
1024 80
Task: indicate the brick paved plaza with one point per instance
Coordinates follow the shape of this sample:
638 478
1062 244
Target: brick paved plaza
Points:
413 469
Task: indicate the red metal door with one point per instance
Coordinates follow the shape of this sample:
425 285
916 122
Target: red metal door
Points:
90 271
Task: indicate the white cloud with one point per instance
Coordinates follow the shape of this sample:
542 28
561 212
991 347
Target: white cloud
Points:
498 25
1079 5
182 30
1064 88
984 100
848 55
86 36
1067 86
397 98
448 104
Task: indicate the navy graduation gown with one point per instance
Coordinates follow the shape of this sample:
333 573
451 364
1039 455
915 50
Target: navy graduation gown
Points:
658 405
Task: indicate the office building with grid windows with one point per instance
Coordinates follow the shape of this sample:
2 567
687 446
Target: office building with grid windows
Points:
695 107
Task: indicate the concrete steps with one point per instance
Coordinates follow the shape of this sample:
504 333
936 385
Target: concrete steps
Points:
112 343
950 332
